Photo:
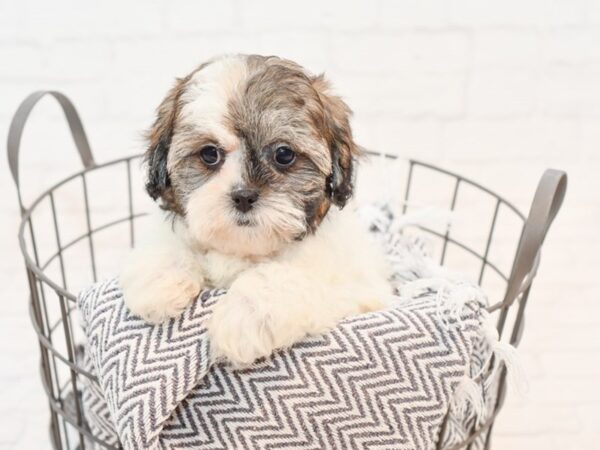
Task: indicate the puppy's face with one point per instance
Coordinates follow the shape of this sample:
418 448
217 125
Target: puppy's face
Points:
250 151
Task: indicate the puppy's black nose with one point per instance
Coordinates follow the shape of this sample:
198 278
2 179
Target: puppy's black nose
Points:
244 199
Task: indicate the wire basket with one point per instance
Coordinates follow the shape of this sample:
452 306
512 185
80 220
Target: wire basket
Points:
73 233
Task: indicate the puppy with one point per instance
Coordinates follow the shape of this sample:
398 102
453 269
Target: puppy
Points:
251 158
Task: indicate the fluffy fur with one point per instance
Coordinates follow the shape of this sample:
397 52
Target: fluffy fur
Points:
292 265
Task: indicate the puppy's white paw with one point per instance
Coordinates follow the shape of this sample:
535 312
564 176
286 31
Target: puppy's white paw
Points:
275 305
157 287
239 332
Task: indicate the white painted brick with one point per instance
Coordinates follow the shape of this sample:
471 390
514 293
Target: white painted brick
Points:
12 430
12 94
573 338
35 432
137 58
590 140
516 12
11 20
511 139
268 15
570 90
112 140
501 92
74 19
560 365
177 56
593 12
89 99
589 417
581 263
585 189
404 53
546 441
190 16
131 100
506 48
413 13
363 129
77 60
351 14
562 12
310 49
417 139
21 61
138 80
563 314
418 95
525 419
558 93
573 46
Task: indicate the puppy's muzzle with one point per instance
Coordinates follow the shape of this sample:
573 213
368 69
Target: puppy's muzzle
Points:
244 199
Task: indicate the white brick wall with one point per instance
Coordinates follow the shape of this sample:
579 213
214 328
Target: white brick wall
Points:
498 90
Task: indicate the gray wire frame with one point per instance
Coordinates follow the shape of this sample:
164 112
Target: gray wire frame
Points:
66 424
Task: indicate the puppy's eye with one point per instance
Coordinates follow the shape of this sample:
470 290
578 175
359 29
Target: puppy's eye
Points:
210 155
284 156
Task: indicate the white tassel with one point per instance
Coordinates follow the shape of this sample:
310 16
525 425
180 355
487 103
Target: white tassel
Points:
468 392
516 375
506 354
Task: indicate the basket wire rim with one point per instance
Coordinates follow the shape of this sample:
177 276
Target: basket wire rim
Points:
39 271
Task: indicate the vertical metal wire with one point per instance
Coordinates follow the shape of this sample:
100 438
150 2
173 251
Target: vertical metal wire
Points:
45 325
59 252
89 227
452 205
65 430
58 245
504 310
499 400
411 166
130 204
502 319
489 242
481 273
41 311
45 363
514 340
519 319
488 436
64 311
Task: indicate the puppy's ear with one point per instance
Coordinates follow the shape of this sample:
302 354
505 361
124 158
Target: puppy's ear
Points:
158 184
343 149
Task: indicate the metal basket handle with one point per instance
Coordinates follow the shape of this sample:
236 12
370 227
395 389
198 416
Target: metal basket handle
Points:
18 124
546 204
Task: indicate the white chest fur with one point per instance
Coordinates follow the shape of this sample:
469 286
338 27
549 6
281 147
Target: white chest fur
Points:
271 302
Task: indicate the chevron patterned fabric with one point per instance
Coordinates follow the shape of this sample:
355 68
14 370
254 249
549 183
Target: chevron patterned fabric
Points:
382 380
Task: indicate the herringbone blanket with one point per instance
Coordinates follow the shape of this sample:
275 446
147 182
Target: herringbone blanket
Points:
383 380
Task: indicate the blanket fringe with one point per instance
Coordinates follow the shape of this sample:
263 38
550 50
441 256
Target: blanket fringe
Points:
453 292
504 354
468 393
452 297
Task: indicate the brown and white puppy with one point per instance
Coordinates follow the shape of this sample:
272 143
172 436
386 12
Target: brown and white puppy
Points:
247 155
